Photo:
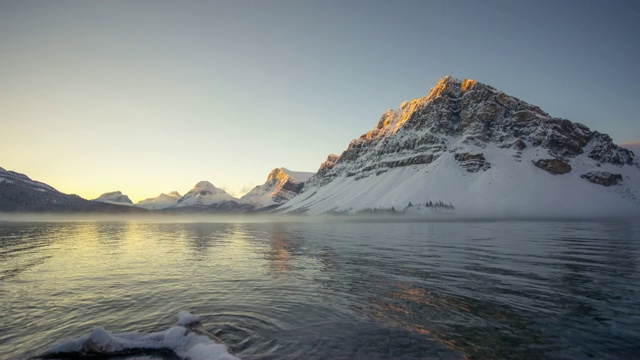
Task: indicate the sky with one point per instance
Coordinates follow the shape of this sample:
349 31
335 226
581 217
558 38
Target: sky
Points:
153 96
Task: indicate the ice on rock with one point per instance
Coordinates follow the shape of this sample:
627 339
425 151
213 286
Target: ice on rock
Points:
185 318
179 339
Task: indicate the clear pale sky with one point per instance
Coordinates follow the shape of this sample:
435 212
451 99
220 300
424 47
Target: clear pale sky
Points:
151 96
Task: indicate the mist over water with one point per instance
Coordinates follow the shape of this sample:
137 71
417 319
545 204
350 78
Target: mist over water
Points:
343 288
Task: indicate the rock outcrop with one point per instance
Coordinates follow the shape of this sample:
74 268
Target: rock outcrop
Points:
602 178
553 166
472 162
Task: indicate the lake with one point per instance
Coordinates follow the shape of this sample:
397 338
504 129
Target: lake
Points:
339 288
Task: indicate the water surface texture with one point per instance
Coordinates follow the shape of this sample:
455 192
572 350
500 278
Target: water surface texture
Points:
343 289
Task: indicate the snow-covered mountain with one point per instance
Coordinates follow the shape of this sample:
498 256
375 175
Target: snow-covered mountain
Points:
114 197
12 177
282 184
18 193
204 194
480 150
162 201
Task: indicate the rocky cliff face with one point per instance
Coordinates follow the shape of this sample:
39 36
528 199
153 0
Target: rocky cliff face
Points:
475 114
474 129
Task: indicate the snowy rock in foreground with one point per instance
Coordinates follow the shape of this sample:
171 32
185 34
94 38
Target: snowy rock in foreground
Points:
186 340
281 185
162 201
115 197
482 151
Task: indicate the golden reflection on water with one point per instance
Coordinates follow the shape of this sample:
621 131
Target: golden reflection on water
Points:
280 253
409 305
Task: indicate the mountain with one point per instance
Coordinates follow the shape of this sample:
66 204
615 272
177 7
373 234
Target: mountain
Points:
115 197
18 193
471 147
162 201
282 184
204 194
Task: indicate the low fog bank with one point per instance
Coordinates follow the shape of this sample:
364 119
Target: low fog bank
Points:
456 216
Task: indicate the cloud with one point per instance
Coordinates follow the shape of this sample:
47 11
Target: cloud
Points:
248 187
631 143
633 146
238 193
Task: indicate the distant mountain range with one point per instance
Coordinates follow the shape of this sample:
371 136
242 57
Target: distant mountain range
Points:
281 185
18 193
465 146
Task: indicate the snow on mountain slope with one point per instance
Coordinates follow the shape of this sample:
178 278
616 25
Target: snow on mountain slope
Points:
115 197
204 194
282 184
162 201
481 150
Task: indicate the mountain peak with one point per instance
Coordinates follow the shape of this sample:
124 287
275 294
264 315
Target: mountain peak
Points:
204 194
468 84
452 86
446 84
276 174
114 197
204 184
162 201
283 174
282 184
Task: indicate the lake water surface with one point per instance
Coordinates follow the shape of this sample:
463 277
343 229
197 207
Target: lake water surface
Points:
339 289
